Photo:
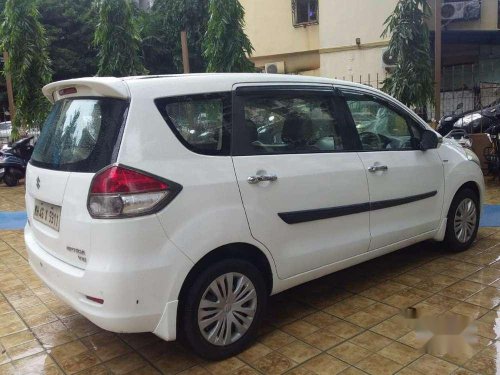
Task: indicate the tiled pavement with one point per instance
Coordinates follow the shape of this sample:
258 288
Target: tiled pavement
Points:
11 199
347 323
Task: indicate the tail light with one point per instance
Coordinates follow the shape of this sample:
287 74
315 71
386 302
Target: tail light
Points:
119 191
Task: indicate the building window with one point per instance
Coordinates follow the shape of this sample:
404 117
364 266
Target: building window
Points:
305 12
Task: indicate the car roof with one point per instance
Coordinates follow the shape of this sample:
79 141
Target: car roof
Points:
230 79
157 86
236 77
178 84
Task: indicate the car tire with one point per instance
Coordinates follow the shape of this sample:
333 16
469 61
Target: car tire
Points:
202 311
463 220
10 179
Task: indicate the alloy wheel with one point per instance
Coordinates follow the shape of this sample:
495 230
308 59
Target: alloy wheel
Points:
465 220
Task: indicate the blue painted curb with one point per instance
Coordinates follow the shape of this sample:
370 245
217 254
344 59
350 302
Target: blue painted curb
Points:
490 217
12 220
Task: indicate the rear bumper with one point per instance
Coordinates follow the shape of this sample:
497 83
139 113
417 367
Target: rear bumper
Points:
135 299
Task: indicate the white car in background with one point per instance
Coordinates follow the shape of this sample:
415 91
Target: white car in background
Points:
143 222
5 131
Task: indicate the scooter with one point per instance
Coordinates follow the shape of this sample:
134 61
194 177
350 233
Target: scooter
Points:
13 161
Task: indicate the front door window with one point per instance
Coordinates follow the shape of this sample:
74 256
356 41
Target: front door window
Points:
379 126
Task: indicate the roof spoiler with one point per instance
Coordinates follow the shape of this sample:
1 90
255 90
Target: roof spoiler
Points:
94 86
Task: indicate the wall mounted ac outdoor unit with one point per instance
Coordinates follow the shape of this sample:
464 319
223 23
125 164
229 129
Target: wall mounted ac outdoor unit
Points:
276 68
461 10
388 61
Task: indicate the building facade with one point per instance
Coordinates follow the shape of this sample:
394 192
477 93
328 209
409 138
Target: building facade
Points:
343 38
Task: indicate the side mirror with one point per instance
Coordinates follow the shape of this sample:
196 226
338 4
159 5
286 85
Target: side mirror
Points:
429 140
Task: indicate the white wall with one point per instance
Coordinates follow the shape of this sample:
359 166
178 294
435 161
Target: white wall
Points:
342 21
344 64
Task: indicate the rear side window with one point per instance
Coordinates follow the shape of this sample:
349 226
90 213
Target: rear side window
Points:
288 122
81 134
201 122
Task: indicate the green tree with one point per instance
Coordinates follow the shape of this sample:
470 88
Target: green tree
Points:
4 105
161 35
23 36
70 27
411 81
117 38
226 46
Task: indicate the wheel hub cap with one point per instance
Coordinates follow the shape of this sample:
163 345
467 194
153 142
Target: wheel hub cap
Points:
227 309
465 220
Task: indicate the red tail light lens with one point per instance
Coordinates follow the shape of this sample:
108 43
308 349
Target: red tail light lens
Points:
119 191
121 180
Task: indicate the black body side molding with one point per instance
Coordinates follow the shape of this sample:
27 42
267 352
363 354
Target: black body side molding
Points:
323 213
380 205
304 216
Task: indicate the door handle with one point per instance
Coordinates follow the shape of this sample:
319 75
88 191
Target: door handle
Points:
256 179
376 168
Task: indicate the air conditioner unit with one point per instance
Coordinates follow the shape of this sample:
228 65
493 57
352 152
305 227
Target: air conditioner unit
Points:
389 61
461 10
453 11
276 68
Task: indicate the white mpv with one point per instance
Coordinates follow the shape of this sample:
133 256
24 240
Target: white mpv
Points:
177 204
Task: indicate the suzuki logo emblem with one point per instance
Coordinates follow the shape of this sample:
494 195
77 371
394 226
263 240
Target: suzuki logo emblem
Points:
38 182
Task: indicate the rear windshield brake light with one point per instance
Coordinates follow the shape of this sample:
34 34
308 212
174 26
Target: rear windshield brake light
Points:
68 91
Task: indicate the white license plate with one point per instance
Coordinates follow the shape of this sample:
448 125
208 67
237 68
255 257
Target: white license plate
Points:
2 170
47 214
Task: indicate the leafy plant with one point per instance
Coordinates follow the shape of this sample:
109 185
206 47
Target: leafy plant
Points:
411 81
70 27
226 46
117 39
23 36
161 35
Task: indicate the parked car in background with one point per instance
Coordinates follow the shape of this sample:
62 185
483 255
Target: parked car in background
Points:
5 132
185 234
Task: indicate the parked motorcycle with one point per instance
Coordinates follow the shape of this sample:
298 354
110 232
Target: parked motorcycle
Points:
13 161
471 121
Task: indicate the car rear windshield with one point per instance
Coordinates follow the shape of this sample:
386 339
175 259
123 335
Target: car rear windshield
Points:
81 134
